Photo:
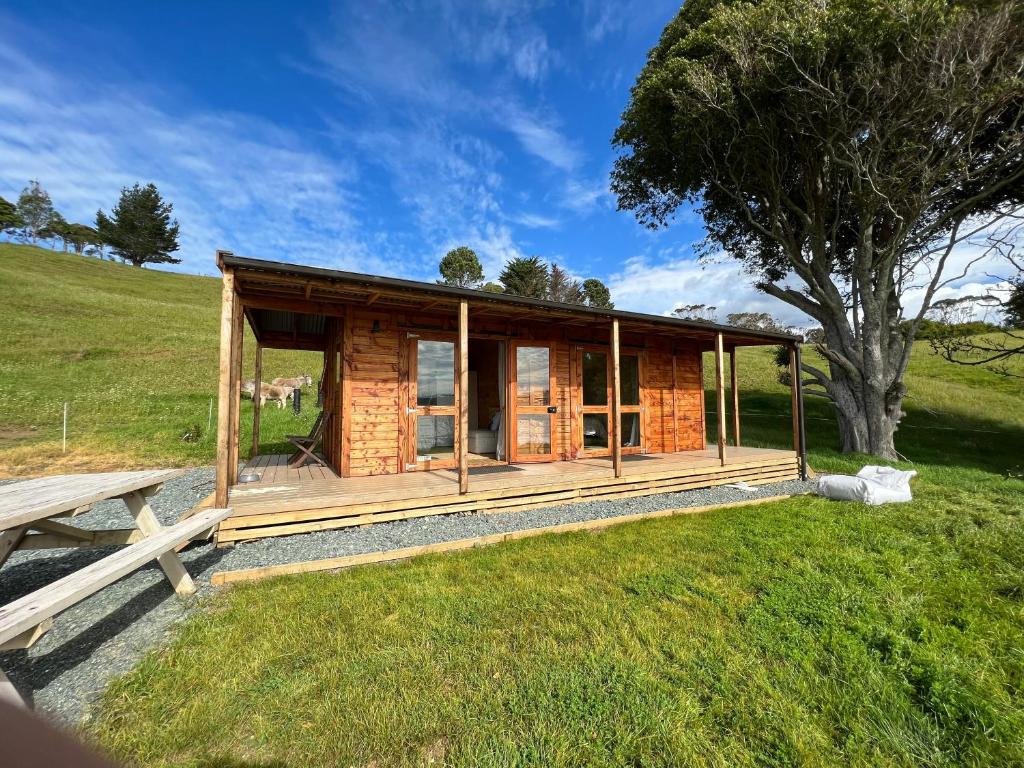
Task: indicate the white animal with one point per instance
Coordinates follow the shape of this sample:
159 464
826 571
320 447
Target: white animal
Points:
296 382
273 392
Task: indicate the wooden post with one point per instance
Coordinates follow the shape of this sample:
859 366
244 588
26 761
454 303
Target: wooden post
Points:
616 425
238 333
794 381
462 433
257 379
346 392
720 395
227 316
675 416
735 390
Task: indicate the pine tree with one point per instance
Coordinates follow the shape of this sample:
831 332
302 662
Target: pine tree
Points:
526 277
139 228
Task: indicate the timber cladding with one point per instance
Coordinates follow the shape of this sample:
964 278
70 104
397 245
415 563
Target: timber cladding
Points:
374 386
367 385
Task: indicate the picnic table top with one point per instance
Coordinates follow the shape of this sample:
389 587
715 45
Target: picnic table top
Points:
27 501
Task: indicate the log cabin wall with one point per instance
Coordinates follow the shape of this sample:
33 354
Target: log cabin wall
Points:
369 389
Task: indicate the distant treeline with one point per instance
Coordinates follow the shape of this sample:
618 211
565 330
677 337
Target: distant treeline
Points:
139 229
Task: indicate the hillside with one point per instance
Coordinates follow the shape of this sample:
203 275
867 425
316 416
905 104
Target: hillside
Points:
134 352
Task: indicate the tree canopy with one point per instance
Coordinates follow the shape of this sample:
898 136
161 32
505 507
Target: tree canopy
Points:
596 294
526 276
841 151
35 211
562 287
461 267
139 228
10 221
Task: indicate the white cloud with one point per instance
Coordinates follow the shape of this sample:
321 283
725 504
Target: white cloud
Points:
658 283
235 181
542 139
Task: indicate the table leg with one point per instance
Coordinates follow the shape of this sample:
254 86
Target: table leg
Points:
172 566
10 540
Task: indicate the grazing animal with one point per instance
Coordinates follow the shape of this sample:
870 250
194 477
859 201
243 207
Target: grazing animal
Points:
296 382
274 392
249 387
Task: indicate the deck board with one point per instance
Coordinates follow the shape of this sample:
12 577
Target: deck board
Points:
286 501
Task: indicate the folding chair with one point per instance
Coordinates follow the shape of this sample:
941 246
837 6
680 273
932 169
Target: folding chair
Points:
306 444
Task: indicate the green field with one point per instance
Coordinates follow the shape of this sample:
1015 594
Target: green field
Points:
132 351
802 632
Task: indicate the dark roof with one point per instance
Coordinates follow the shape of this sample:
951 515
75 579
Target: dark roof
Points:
225 258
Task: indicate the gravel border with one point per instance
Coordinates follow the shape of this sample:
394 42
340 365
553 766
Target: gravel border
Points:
108 634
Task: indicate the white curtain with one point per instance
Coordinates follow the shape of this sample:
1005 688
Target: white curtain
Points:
499 451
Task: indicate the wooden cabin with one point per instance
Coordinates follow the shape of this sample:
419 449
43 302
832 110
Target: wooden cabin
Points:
439 399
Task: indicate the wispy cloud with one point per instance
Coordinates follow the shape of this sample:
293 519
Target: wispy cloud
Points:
542 139
236 182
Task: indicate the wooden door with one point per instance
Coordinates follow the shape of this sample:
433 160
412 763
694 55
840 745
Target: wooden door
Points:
432 411
532 432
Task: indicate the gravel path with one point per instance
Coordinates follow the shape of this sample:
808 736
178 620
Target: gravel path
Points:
107 634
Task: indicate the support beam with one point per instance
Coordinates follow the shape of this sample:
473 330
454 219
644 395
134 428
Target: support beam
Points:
794 395
720 395
258 380
675 416
735 391
616 425
227 316
238 333
463 371
801 432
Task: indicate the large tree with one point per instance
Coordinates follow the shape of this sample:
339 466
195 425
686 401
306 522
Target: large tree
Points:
526 276
461 267
139 228
841 150
596 294
35 210
563 287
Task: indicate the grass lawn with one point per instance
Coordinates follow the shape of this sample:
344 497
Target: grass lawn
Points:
802 632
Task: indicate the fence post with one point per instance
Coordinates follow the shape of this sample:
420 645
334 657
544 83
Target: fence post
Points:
64 444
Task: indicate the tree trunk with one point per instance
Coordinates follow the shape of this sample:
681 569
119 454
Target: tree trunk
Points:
867 416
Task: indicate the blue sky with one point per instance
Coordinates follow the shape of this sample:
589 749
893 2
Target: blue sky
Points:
367 136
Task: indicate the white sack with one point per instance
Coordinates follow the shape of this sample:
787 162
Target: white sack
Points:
872 485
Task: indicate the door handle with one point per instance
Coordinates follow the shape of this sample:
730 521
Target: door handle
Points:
552 409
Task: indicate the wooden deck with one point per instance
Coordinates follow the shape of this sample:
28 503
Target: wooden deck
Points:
288 501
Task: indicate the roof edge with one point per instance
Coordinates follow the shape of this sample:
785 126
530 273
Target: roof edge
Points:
228 259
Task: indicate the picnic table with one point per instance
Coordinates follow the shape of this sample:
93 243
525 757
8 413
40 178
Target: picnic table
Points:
30 513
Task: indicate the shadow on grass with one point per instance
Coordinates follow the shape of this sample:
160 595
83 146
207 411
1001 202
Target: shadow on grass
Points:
33 673
926 437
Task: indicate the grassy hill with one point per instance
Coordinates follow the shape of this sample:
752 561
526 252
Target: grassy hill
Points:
134 353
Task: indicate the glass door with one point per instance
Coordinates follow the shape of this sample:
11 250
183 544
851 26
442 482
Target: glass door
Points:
533 410
595 408
631 425
432 409
595 402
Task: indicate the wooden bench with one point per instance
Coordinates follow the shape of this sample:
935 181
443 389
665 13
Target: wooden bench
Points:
23 621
